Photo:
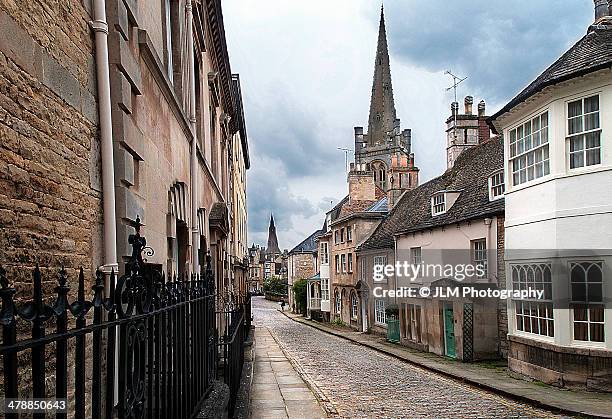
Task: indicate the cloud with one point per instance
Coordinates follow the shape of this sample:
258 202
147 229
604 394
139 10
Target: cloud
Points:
306 72
501 46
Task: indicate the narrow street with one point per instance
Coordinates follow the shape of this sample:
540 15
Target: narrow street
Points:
358 381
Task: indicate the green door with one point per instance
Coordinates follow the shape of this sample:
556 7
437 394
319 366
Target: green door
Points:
449 332
393 329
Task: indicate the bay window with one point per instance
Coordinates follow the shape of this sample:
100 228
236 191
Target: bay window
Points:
584 132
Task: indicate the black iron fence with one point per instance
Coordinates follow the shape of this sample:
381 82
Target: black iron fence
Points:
145 348
231 346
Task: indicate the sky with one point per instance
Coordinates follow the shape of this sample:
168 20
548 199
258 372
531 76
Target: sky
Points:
306 69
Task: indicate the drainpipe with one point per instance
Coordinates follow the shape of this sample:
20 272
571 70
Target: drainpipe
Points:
195 241
100 27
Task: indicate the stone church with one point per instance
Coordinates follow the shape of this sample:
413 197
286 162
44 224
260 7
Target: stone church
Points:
386 149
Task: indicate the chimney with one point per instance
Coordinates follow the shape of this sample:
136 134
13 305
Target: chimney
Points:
484 132
361 185
454 108
602 9
469 100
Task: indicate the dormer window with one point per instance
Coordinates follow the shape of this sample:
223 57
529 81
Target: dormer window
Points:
496 186
438 203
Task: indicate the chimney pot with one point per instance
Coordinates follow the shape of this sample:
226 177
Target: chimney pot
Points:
601 9
469 100
481 108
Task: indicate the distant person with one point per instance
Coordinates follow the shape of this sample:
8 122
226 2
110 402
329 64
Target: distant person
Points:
282 306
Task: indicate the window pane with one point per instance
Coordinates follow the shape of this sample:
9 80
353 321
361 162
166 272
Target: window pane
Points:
580 313
581 331
596 314
574 108
578 292
591 104
597 332
593 139
544 119
544 135
576 143
575 125
591 121
594 273
576 160
595 294
593 157
536 124
513 136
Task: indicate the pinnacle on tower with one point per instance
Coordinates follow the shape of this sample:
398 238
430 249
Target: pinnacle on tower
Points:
272 239
382 106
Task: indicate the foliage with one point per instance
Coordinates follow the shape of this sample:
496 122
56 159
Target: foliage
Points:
299 291
275 285
338 322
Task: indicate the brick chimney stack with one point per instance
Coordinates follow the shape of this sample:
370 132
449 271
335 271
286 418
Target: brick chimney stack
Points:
484 132
361 183
469 101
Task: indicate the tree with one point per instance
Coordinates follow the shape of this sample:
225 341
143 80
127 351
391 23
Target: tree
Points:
300 293
275 285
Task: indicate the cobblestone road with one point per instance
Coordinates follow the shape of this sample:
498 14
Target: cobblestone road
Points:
359 381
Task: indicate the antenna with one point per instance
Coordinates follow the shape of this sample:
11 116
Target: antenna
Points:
346 151
456 82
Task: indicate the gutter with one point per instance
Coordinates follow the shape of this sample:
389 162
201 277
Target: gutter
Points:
100 28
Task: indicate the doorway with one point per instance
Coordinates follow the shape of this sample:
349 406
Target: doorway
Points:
449 331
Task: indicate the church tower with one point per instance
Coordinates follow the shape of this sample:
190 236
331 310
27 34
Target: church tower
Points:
374 150
272 239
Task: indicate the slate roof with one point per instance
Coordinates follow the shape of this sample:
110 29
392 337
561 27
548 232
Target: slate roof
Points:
309 244
354 207
591 53
380 206
469 175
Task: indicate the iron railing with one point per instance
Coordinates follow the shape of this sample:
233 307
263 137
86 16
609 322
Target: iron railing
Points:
148 348
231 351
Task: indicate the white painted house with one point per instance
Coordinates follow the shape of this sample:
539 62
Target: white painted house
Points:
558 228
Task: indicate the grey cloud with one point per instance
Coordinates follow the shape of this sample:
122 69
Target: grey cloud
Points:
290 134
268 191
500 45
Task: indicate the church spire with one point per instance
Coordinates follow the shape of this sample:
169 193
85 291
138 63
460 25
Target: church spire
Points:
382 107
272 239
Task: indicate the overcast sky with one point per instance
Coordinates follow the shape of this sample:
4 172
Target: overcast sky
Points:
306 70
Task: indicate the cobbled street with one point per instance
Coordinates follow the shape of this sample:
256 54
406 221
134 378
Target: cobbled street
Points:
359 382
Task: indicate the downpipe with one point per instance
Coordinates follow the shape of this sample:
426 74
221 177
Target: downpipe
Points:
195 239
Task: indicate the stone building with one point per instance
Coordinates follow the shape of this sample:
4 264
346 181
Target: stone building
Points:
457 219
384 139
256 268
154 129
558 159
302 263
267 262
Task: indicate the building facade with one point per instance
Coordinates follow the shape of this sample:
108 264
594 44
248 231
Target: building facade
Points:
558 158
301 265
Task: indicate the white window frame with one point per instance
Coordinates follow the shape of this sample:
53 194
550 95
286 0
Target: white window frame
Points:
586 301
338 302
527 155
324 253
354 306
325 289
497 186
337 262
349 234
416 255
380 260
343 262
350 263
582 134
538 314
479 254
380 316
438 203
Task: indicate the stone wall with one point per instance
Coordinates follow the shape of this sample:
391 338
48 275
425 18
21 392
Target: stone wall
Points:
50 187
502 305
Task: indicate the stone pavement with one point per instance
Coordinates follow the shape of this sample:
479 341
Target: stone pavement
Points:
278 391
497 380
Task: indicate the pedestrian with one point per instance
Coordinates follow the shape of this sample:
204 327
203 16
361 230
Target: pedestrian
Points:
282 305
